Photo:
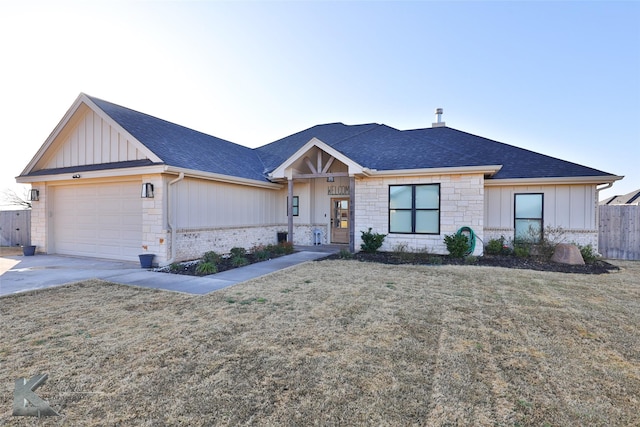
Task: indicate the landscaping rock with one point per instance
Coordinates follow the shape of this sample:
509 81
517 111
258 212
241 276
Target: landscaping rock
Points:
567 254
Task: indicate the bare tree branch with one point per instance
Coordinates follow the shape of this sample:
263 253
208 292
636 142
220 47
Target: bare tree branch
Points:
11 198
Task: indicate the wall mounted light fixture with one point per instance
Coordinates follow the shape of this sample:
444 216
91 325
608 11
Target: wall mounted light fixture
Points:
329 179
76 176
34 195
147 190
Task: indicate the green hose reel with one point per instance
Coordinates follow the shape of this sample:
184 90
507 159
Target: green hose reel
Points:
471 238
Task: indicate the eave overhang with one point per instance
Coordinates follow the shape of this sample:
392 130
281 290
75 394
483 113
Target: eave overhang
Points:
142 170
488 170
562 180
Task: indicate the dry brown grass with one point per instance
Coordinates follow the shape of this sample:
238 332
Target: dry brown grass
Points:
335 343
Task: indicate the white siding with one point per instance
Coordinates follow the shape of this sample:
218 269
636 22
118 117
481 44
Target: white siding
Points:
572 207
201 204
91 140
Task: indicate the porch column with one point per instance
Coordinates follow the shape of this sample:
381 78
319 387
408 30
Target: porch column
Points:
352 202
290 210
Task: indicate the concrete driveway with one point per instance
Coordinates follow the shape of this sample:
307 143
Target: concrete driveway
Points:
20 273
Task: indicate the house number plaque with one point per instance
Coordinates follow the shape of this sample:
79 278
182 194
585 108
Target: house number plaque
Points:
338 190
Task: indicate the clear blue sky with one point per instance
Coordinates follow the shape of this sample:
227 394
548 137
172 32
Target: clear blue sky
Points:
560 78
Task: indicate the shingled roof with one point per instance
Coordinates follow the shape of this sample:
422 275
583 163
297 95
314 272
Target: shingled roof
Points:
186 148
373 146
380 147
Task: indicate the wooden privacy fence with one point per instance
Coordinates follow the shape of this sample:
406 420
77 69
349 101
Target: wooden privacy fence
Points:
15 228
619 233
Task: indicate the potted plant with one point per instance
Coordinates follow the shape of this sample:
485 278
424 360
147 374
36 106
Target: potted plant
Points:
146 260
28 250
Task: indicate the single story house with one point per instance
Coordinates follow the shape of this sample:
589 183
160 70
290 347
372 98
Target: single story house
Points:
111 182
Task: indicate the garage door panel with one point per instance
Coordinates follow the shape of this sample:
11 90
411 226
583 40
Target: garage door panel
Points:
98 220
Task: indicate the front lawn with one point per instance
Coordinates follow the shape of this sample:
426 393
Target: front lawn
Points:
335 343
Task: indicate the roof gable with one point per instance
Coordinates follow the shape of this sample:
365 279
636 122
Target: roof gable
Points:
87 136
182 147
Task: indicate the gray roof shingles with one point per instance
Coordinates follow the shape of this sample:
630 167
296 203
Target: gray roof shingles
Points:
186 148
371 145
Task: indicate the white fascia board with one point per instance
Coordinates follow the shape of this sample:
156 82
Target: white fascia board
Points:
84 99
280 171
462 170
147 170
192 173
104 173
595 180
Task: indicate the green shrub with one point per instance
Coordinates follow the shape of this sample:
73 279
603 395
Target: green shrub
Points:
589 255
522 250
495 246
345 254
211 257
457 245
371 242
205 268
261 254
238 252
175 267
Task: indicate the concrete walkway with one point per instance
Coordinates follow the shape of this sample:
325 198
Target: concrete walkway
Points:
27 273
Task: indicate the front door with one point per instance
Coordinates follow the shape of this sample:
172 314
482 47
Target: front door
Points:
340 221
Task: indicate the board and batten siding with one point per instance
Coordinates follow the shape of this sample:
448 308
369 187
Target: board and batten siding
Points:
91 140
208 204
572 207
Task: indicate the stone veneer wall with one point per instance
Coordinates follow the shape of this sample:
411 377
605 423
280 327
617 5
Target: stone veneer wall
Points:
39 218
193 243
461 204
578 237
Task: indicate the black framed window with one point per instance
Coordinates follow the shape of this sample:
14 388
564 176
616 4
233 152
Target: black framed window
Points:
414 209
296 205
528 217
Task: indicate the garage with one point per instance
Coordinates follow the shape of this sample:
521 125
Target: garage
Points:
102 220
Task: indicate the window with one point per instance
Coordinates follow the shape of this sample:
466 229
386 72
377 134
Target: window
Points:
528 217
296 205
414 209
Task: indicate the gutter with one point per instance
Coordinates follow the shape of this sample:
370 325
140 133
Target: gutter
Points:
170 218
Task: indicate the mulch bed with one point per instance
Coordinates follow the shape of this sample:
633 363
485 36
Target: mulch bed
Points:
529 263
395 258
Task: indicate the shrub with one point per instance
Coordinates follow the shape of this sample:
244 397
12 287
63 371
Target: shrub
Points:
371 242
522 250
286 247
205 268
211 257
238 252
495 246
261 253
345 254
589 255
457 245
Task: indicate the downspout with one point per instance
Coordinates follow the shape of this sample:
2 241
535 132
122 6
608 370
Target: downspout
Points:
170 218
609 185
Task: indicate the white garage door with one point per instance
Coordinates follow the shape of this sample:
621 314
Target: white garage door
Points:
98 220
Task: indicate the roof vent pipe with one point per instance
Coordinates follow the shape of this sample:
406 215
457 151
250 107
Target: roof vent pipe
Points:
439 122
